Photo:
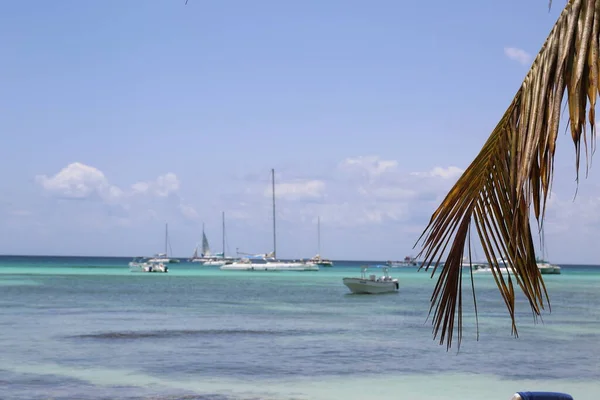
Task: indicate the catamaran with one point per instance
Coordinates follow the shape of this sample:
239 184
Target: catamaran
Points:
269 262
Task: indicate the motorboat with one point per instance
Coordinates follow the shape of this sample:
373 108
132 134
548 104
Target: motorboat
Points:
144 264
318 260
407 262
485 268
372 284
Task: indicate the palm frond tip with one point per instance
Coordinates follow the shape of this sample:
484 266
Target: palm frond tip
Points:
514 171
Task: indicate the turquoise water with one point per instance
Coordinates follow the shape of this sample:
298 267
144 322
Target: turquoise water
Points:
87 328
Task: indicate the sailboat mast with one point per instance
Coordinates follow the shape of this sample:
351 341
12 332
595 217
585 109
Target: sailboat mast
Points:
223 214
319 235
166 239
274 225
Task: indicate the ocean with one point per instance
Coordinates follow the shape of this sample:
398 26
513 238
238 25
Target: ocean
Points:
87 328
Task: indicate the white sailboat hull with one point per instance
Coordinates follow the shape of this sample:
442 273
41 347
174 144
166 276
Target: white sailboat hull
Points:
549 269
270 266
214 263
366 286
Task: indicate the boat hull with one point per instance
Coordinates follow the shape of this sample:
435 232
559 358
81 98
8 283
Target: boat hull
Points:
323 263
554 270
148 268
270 266
366 286
214 263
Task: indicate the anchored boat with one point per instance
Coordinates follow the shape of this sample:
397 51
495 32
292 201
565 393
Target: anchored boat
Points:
372 284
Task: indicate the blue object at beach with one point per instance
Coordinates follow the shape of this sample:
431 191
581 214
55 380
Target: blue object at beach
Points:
542 396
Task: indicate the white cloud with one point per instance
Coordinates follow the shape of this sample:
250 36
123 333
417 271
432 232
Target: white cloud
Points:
519 55
79 181
188 211
440 172
163 186
372 191
371 166
82 181
297 190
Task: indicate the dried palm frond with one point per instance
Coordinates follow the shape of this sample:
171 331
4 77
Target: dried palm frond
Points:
514 171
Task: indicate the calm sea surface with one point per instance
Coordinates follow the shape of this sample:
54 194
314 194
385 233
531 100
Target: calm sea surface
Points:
87 328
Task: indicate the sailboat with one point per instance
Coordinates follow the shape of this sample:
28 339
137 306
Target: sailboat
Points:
205 254
164 257
207 258
318 260
269 262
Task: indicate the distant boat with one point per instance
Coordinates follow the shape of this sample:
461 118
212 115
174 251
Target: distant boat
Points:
164 257
546 268
486 268
264 262
144 264
207 258
407 262
372 284
269 262
474 264
205 252
318 260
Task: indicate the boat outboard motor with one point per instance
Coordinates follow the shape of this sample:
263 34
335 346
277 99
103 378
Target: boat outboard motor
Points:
541 396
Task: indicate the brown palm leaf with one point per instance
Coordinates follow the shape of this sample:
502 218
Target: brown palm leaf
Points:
514 171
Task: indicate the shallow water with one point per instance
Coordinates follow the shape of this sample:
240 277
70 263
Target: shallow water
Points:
87 328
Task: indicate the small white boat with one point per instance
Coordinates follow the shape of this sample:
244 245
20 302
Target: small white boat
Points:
160 258
407 262
485 268
323 262
142 264
372 284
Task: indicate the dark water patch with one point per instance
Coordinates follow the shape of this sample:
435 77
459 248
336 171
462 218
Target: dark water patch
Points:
165 334
183 397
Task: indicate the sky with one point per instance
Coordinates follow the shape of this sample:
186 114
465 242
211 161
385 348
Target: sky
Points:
118 117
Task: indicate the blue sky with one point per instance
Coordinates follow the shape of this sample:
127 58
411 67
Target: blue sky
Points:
120 116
